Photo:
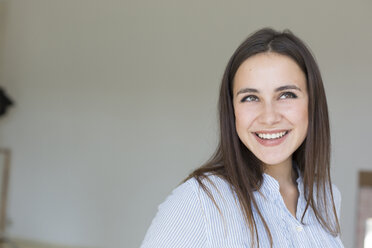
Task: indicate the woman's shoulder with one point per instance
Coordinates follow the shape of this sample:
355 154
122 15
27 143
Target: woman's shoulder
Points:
337 198
194 186
210 185
331 194
182 219
336 193
179 221
194 191
209 195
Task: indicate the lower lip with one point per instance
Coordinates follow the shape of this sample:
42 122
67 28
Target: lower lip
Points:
271 142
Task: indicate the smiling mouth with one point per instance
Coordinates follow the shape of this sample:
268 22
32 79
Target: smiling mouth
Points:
272 136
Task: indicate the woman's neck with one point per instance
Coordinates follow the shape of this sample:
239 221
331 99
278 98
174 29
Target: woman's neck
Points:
283 172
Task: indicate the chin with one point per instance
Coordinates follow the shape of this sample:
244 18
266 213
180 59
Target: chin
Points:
273 160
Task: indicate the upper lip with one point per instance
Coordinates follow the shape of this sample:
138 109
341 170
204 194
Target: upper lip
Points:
272 131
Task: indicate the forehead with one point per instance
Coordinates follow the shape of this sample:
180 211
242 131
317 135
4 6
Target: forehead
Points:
265 71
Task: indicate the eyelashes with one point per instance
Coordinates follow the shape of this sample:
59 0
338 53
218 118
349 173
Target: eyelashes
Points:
254 98
250 98
288 94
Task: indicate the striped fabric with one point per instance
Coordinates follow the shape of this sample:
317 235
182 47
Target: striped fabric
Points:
189 218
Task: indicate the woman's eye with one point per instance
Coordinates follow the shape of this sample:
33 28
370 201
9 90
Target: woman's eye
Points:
250 98
288 95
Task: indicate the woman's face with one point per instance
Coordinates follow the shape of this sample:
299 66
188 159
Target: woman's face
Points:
271 106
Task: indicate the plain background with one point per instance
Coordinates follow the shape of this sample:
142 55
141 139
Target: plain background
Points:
116 104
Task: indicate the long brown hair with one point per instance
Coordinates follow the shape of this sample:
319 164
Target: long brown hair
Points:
236 164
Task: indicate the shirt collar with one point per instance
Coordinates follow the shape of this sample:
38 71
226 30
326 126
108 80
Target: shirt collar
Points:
270 185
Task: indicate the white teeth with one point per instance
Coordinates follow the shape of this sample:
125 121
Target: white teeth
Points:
271 136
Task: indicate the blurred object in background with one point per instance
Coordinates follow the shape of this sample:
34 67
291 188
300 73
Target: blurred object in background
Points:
364 214
5 102
368 237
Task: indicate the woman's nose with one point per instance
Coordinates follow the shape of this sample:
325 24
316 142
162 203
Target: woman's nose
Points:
269 115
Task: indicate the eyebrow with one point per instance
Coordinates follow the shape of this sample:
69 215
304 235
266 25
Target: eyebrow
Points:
281 88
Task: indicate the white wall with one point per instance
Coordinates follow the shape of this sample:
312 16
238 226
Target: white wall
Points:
116 103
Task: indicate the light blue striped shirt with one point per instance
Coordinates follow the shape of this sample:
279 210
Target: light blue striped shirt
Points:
189 218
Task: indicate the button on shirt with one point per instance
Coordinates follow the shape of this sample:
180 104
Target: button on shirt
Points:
189 218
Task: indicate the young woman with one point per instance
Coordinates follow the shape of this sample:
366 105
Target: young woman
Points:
268 183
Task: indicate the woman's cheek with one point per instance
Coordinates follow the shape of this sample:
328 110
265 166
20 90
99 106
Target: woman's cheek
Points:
246 114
